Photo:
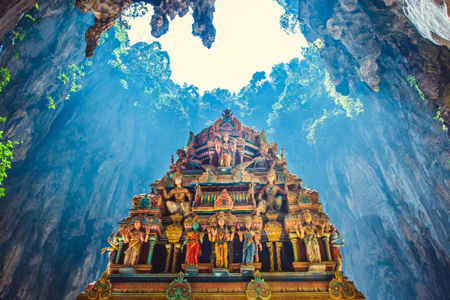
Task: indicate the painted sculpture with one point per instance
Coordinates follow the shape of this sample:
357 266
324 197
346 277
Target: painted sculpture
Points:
219 185
134 238
193 243
179 206
220 238
251 242
272 202
309 234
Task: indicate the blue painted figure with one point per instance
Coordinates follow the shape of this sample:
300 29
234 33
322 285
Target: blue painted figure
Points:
249 249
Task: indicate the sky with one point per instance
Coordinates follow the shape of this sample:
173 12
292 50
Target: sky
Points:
245 43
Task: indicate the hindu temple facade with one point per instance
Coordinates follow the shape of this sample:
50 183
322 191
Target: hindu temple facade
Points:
228 221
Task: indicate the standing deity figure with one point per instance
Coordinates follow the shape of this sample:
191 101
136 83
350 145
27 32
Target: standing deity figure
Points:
309 233
179 206
227 153
273 202
334 247
134 238
193 240
220 237
251 241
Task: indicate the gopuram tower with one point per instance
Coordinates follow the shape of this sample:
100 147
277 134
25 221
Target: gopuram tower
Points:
228 221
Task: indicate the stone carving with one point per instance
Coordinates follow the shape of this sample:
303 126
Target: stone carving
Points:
258 288
309 234
179 206
220 238
340 288
134 238
273 202
101 289
179 289
193 241
251 242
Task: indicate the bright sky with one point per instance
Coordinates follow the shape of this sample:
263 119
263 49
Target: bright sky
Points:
248 39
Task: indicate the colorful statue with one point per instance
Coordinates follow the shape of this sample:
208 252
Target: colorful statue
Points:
193 240
334 248
220 237
251 242
250 197
134 238
273 201
310 233
179 206
112 250
182 162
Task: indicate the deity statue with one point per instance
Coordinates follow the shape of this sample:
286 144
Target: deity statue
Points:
220 237
251 194
134 238
193 240
180 193
273 201
182 162
310 233
251 242
334 247
112 250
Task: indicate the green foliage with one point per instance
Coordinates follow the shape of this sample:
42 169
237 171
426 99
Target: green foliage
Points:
6 156
30 17
71 76
312 126
51 103
412 82
36 6
352 107
439 119
4 78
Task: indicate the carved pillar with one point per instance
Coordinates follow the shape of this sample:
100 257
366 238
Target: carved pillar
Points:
152 241
326 241
270 247
273 231
293 238
176 249
279 245
119 253
169 254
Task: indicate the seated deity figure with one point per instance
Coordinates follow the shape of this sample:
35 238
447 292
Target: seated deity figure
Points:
179 206
251 242
220 237
193 240
310 233
134 238
273 202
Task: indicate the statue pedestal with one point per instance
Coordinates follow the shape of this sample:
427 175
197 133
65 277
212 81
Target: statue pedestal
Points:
191 271
127 270
220 271
303 266
317 267
247 270
236 267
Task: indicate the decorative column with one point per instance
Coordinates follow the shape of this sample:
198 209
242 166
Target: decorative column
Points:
273 231
293 239
326 241
270 248
119 253
176 250
173 233
152 239
279 245
169 255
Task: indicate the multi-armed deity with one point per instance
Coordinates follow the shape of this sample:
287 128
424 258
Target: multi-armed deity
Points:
228 181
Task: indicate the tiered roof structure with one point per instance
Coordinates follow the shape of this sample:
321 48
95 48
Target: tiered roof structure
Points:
227 221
